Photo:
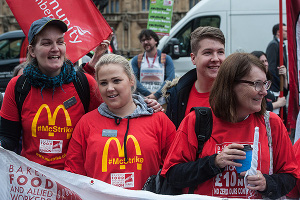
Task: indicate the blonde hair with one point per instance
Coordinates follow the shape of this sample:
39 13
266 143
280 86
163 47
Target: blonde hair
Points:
116 59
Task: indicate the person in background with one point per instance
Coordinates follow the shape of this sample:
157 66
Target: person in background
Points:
193 88
152 68
128 131
272 54
272 101
237 102
51 76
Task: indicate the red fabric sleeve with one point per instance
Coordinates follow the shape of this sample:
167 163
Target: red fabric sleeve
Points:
295 193
184 146
283 154
89 69
76 150
9 108
95 97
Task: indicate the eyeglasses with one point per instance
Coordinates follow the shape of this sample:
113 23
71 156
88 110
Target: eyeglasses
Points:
146 39
257 84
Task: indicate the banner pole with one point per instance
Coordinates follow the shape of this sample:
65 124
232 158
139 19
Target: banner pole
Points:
281 53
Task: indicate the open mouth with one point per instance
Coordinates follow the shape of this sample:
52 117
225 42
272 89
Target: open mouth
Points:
53 57
113 96
214 67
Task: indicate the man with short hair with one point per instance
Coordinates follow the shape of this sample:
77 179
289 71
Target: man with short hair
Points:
193 88
274 65
273 56
152 68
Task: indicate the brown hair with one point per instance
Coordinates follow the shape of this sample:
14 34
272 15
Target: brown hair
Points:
223 99
204 32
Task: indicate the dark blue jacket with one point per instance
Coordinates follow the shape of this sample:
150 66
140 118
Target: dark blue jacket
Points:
178 97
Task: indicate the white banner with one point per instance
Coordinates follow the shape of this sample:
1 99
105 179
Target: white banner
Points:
21 179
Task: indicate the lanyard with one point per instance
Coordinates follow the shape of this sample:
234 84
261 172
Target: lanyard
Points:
151 66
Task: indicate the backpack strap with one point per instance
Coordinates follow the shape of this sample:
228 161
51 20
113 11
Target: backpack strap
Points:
270 143
203 129
140 58
163 59
22 89
81 84
203 126
83 89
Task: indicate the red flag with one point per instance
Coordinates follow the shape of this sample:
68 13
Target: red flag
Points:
293 28
86 26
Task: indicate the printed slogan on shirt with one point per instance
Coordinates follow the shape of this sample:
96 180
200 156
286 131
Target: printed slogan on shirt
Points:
228 184
121 159
51 128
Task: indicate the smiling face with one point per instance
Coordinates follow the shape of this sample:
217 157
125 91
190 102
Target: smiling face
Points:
248 99
208 59
263 59
49 50
115 88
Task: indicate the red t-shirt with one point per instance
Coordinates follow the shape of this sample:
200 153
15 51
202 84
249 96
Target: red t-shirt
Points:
98 155
47 126
197 99
227 184
295 193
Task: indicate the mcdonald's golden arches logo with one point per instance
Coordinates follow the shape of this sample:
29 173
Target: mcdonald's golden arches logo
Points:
121 159
51 121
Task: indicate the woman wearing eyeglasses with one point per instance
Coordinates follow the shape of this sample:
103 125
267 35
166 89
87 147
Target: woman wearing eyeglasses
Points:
237 102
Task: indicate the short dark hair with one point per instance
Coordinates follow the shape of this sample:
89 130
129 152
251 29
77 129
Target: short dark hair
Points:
204 32
235 67
148 34
258 54
276 28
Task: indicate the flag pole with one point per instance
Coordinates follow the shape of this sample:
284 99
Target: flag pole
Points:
281 54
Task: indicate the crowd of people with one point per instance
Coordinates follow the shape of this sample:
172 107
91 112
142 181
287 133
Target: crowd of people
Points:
106 120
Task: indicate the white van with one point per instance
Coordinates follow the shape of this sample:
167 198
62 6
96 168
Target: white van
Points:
246 24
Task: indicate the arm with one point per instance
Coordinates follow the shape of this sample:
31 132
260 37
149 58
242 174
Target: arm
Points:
281 101
139 87
183 169
278 185
99 51
282 71
170 75
75 157
10 133
193 173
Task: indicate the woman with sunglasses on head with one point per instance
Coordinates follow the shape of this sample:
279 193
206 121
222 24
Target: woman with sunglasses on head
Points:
237 102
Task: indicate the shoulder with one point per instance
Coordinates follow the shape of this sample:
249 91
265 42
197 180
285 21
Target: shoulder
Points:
12 83
90 116
167 88
274 117
188 122
273 43
276 123
90 79
134 59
